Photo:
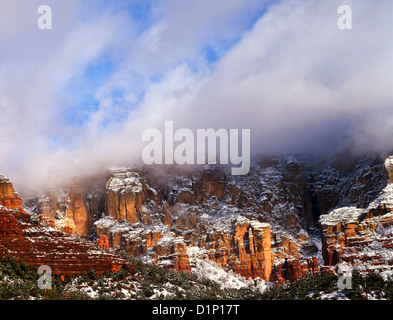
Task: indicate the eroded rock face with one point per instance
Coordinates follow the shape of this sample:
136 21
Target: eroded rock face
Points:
252 244
349 184
124 198
80 212
71 209
66 211
126 192
259 225
32 241
293 269
255 225
8 196
361 238
205 213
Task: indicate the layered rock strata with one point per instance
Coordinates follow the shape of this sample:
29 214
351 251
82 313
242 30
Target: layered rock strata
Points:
260 225
361 238
8 196
23 238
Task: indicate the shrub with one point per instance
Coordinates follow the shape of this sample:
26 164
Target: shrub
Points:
374 284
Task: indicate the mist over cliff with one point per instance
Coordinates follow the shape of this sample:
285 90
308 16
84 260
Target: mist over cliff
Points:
76 99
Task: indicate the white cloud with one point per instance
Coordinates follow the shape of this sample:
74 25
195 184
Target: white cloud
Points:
300 83
296 80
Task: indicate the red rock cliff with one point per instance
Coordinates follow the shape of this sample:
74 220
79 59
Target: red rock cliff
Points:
361 237
8 196
38 244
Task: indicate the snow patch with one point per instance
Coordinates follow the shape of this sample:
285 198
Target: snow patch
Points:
205 268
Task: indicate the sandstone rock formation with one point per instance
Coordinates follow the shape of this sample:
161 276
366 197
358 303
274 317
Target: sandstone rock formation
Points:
362 238
71 209
293 269
25 239
8 196
125 194
260 225
206 211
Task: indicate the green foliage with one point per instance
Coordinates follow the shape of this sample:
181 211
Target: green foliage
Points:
92 274
120 275
389 288
358 286
308 288
315 287
19 282
374 283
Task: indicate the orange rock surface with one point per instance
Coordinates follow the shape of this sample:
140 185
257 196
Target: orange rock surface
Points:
37 244
360 236
257 226
8 196
293 269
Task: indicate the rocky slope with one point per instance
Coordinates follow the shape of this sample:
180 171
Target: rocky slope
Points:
28 238
263 225
361 238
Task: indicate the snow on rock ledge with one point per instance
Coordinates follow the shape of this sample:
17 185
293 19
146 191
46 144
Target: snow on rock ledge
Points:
351 235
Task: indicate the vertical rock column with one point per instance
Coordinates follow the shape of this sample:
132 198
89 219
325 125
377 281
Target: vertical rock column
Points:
124 197
252 241
8 196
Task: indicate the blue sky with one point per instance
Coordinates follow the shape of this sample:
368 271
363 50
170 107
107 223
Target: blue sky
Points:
142 15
